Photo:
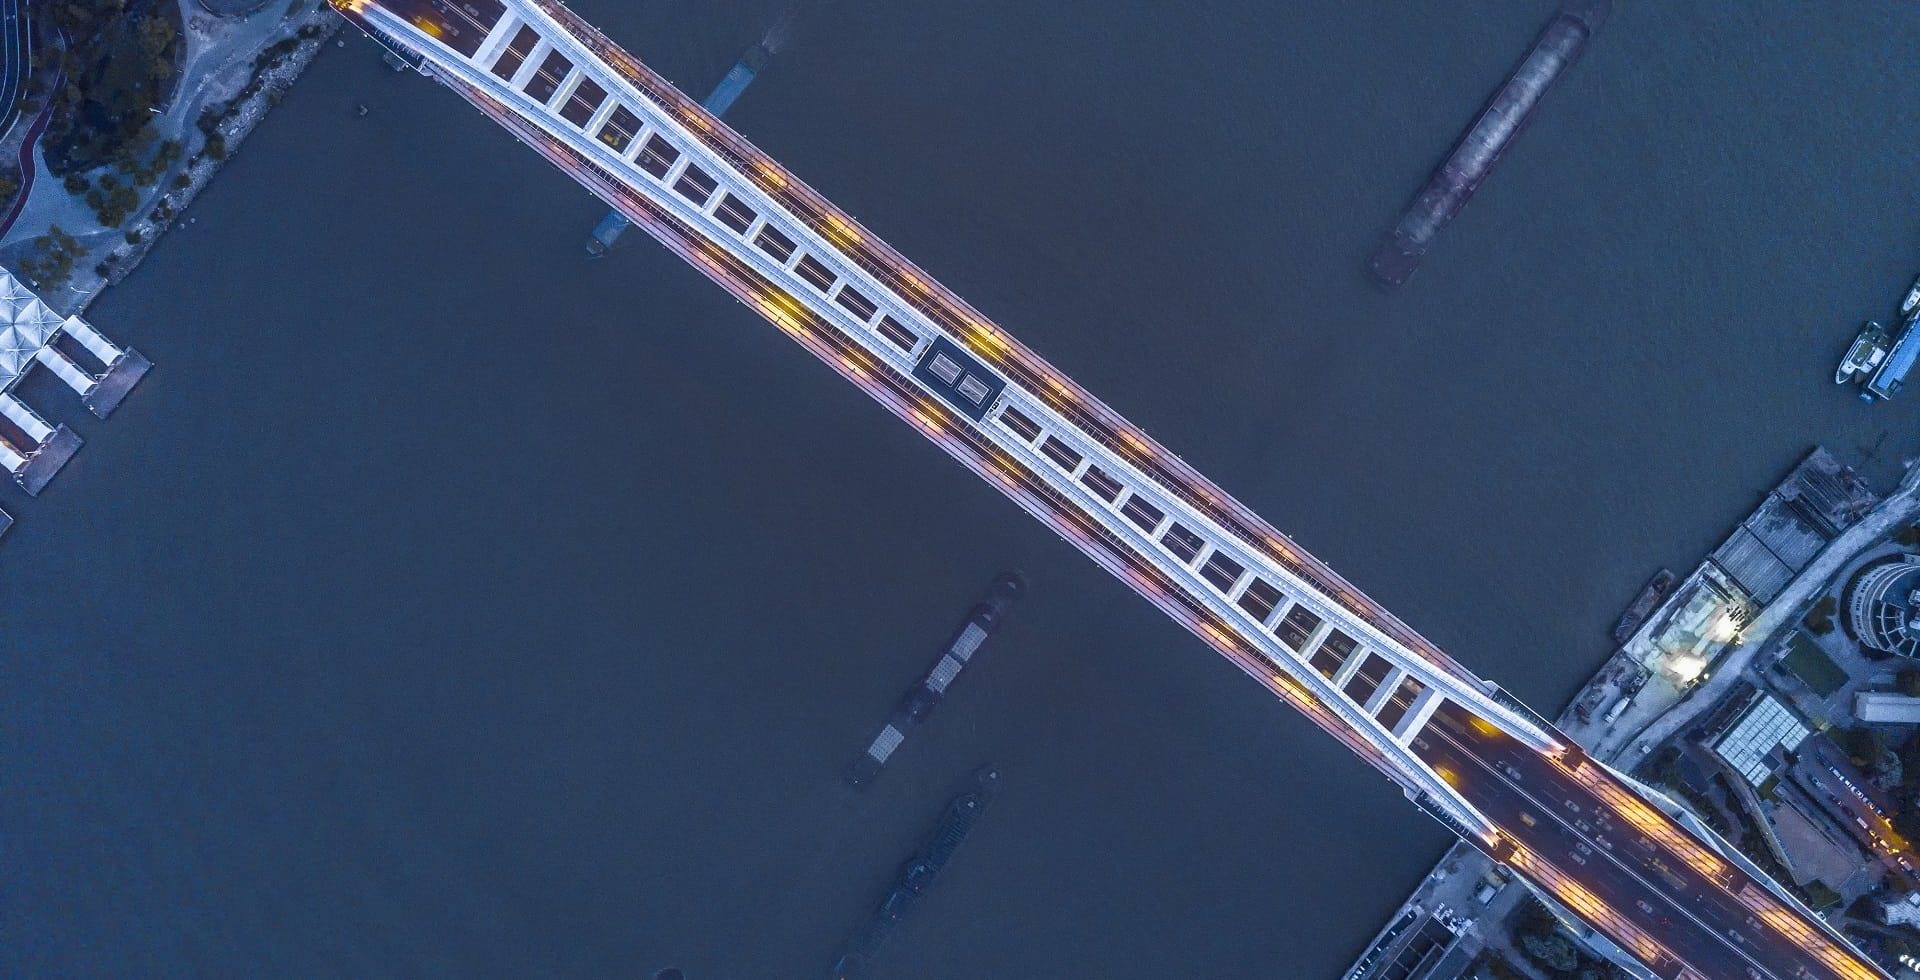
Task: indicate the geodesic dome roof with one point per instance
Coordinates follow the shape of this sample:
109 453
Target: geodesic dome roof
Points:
26 324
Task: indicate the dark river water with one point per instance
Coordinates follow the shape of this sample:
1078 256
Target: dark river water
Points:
445 604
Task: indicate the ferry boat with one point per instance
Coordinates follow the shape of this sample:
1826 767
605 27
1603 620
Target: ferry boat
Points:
1913 299
1868 351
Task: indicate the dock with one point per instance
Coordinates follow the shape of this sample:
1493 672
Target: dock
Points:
101 372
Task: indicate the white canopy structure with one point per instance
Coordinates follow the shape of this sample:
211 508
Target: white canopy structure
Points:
26 325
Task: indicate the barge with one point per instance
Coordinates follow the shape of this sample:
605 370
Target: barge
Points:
920 699
1643 605
955 823
1480 147
1892 373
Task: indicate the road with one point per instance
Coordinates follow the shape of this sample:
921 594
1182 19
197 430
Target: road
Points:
1834 785
1705 919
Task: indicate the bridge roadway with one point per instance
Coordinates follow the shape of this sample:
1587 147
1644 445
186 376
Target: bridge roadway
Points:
1480 762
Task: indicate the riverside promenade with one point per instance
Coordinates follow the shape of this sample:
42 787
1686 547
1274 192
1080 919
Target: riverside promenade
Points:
1450 903
227 66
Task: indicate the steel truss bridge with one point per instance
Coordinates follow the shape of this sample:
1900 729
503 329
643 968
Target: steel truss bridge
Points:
1671 897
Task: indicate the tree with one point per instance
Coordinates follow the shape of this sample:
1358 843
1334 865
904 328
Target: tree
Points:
1863 745
52 259
1910 761
1821 896
1552 952
1533 919
1908 681
116 67
1819 619
1907 822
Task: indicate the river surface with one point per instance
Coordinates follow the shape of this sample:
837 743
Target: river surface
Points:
445 604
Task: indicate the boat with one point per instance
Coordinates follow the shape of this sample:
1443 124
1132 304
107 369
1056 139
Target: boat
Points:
1642 606
1479 148
962 812
1913 299
921 698
1868 351
1892 372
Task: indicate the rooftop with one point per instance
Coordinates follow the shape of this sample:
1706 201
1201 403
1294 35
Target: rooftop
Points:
1748 744
26 324
1885 708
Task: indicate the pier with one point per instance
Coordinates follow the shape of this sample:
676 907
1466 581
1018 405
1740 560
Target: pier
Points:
33 450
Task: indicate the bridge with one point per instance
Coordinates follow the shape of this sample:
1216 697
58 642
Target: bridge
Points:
1667 894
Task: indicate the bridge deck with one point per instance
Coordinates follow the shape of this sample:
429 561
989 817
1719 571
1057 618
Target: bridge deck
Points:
1136 509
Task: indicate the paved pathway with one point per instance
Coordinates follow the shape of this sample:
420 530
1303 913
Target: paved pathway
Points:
214 46
16 47
29 153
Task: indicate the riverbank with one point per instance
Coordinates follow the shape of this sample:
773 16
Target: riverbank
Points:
234 71
1628 709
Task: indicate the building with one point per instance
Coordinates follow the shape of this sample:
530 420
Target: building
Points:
1883 606
1903 910
1882 708
1698 622
1704 615
1756 741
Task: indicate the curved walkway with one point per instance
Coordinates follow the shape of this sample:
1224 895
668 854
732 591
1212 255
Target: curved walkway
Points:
16 47
26 168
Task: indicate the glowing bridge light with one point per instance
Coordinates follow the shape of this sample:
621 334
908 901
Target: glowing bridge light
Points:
769 174
840 231
781 309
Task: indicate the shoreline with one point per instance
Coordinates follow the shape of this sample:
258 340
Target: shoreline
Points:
1448 896
256 60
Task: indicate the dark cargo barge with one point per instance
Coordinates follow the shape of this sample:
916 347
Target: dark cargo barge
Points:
920 699
955 823
1473 157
